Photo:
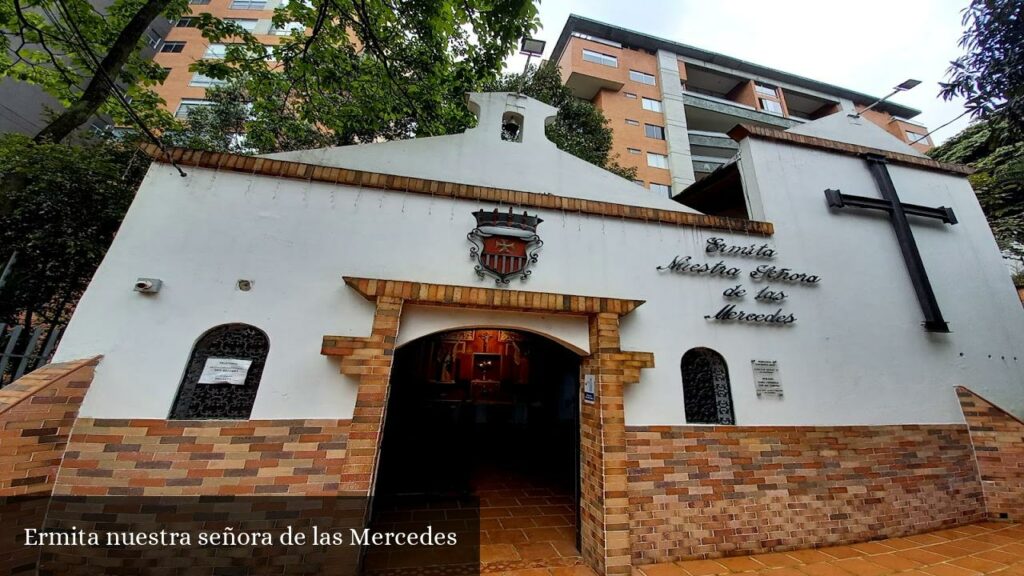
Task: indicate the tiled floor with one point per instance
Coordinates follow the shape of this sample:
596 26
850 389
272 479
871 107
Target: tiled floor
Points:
987 548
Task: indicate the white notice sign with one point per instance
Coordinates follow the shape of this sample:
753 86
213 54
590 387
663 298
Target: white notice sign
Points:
224 371
589 389
766 378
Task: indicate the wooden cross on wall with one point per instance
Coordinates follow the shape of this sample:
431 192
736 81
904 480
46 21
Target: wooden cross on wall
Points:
898 211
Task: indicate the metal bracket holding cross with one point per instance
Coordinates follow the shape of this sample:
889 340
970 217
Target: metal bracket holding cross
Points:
898 212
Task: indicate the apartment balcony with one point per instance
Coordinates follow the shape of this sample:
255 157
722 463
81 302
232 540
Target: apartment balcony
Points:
585 83
710 114
705 143
703 165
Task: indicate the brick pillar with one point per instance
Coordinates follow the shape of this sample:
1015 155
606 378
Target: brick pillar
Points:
604 500
371 363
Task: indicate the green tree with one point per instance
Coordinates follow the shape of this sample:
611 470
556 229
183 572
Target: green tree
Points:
579 128
364 70
997 153
60 223
990 75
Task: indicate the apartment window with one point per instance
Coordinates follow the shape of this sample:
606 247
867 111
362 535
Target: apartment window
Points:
215 51
172 47
657 160
153 39
204 81
661 189
654 131
766 90
638 182
270 51
629 95
187 105
632 122
633 150
249 4
771 106
642 77
286 30
913 137
199 2
596 39
247 24
187 22
599 58
167 72
652 104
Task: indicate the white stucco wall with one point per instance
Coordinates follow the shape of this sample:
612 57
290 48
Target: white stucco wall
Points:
856 355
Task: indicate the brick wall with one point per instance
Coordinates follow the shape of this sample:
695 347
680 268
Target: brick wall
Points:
209 457
998 439
711 491
36 415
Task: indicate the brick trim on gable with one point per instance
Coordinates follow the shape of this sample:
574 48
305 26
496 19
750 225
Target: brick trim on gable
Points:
743 131
438 188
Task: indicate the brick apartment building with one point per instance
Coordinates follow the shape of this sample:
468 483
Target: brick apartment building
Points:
670 104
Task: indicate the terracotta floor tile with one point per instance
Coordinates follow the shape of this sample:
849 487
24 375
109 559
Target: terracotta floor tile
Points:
740 563
518 522
566 549
664 569
1000 556
528 572
949 570
862 567
897 563
979 543
809 556
927 539
777 560
574 571
842 552
823 569
702 567
1014 549
872 548
498 553
979 564
901 544
947 550
918 555
537 551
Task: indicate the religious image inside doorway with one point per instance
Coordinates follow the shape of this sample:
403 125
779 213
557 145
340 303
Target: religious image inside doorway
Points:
488 415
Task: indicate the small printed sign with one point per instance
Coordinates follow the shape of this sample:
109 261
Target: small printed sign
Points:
589 389
225 371
767 383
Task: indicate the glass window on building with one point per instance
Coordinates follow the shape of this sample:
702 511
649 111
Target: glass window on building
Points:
652 104
247 24
638 182
633 150
186 22
657 160
188 104
642 77
632 122
215 51
286 30
248 4
915 138
153 39
663 189
766 90
599 58
172 47
630 95
654 131
202 80
199 2
771 106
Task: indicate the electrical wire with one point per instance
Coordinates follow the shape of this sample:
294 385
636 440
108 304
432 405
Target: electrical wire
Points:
929 133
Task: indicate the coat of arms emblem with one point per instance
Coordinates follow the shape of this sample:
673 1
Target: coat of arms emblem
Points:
505 244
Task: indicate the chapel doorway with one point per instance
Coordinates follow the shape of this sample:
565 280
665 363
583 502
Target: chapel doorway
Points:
491 414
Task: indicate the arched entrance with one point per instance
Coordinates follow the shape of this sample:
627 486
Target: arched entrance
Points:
492 414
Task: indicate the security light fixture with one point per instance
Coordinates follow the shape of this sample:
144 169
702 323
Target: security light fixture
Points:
901 87
532 47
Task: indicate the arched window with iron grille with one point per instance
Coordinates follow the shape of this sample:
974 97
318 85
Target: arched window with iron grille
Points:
706 392
240 345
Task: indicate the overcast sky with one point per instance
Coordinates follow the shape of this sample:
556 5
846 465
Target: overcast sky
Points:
868 45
